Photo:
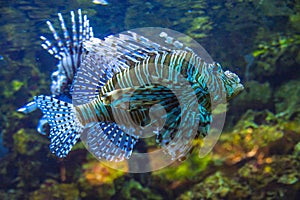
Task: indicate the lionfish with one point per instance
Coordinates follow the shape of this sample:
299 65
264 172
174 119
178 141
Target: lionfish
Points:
119 81
68 52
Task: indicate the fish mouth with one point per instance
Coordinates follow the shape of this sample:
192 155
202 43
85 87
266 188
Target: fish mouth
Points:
235 83
239 88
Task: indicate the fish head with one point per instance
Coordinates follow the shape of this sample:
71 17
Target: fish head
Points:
228 83
232 84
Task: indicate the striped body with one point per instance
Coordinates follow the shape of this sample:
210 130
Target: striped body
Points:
133 84
126 84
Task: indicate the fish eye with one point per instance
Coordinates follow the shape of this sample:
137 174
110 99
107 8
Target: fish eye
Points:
232 76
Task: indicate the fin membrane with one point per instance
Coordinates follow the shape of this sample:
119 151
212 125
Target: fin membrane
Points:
106 140
92 75
64 130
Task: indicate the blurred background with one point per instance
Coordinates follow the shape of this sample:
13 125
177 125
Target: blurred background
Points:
257 156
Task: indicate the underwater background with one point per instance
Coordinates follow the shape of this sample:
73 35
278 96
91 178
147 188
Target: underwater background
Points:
258 153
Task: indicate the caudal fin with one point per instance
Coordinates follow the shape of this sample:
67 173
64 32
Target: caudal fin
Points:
64 131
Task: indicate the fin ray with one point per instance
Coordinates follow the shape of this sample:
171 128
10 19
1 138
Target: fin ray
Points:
64 131
106 140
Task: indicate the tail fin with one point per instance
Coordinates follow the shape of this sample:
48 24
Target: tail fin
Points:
64 131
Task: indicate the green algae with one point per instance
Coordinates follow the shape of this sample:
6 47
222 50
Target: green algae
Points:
186 170
53 190
276 52
288 179
9 90
249 161
287 103
134 190
297 149
256 95
217 186
27 142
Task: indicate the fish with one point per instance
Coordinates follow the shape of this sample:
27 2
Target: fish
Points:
101 2
85 99
116 71
68 51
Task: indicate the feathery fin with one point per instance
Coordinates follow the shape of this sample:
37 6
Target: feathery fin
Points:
64 131
106 140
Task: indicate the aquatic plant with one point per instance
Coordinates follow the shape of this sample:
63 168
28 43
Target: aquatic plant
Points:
256 96
50 189
294 18
198 21
280 172
217 186
255 130
147 13
188 169
277 46
253 157
97 179
191 18
134 190
274 8
27 142
297 150
10 89
97 173
287 102
274 53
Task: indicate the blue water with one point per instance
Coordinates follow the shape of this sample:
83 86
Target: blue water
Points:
3 149
257 39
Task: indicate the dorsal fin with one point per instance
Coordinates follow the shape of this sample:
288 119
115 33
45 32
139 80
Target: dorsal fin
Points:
107 57
93 74
175 43
68 49
67 46
125 46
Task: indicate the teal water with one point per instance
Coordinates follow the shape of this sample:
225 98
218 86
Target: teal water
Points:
258 153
